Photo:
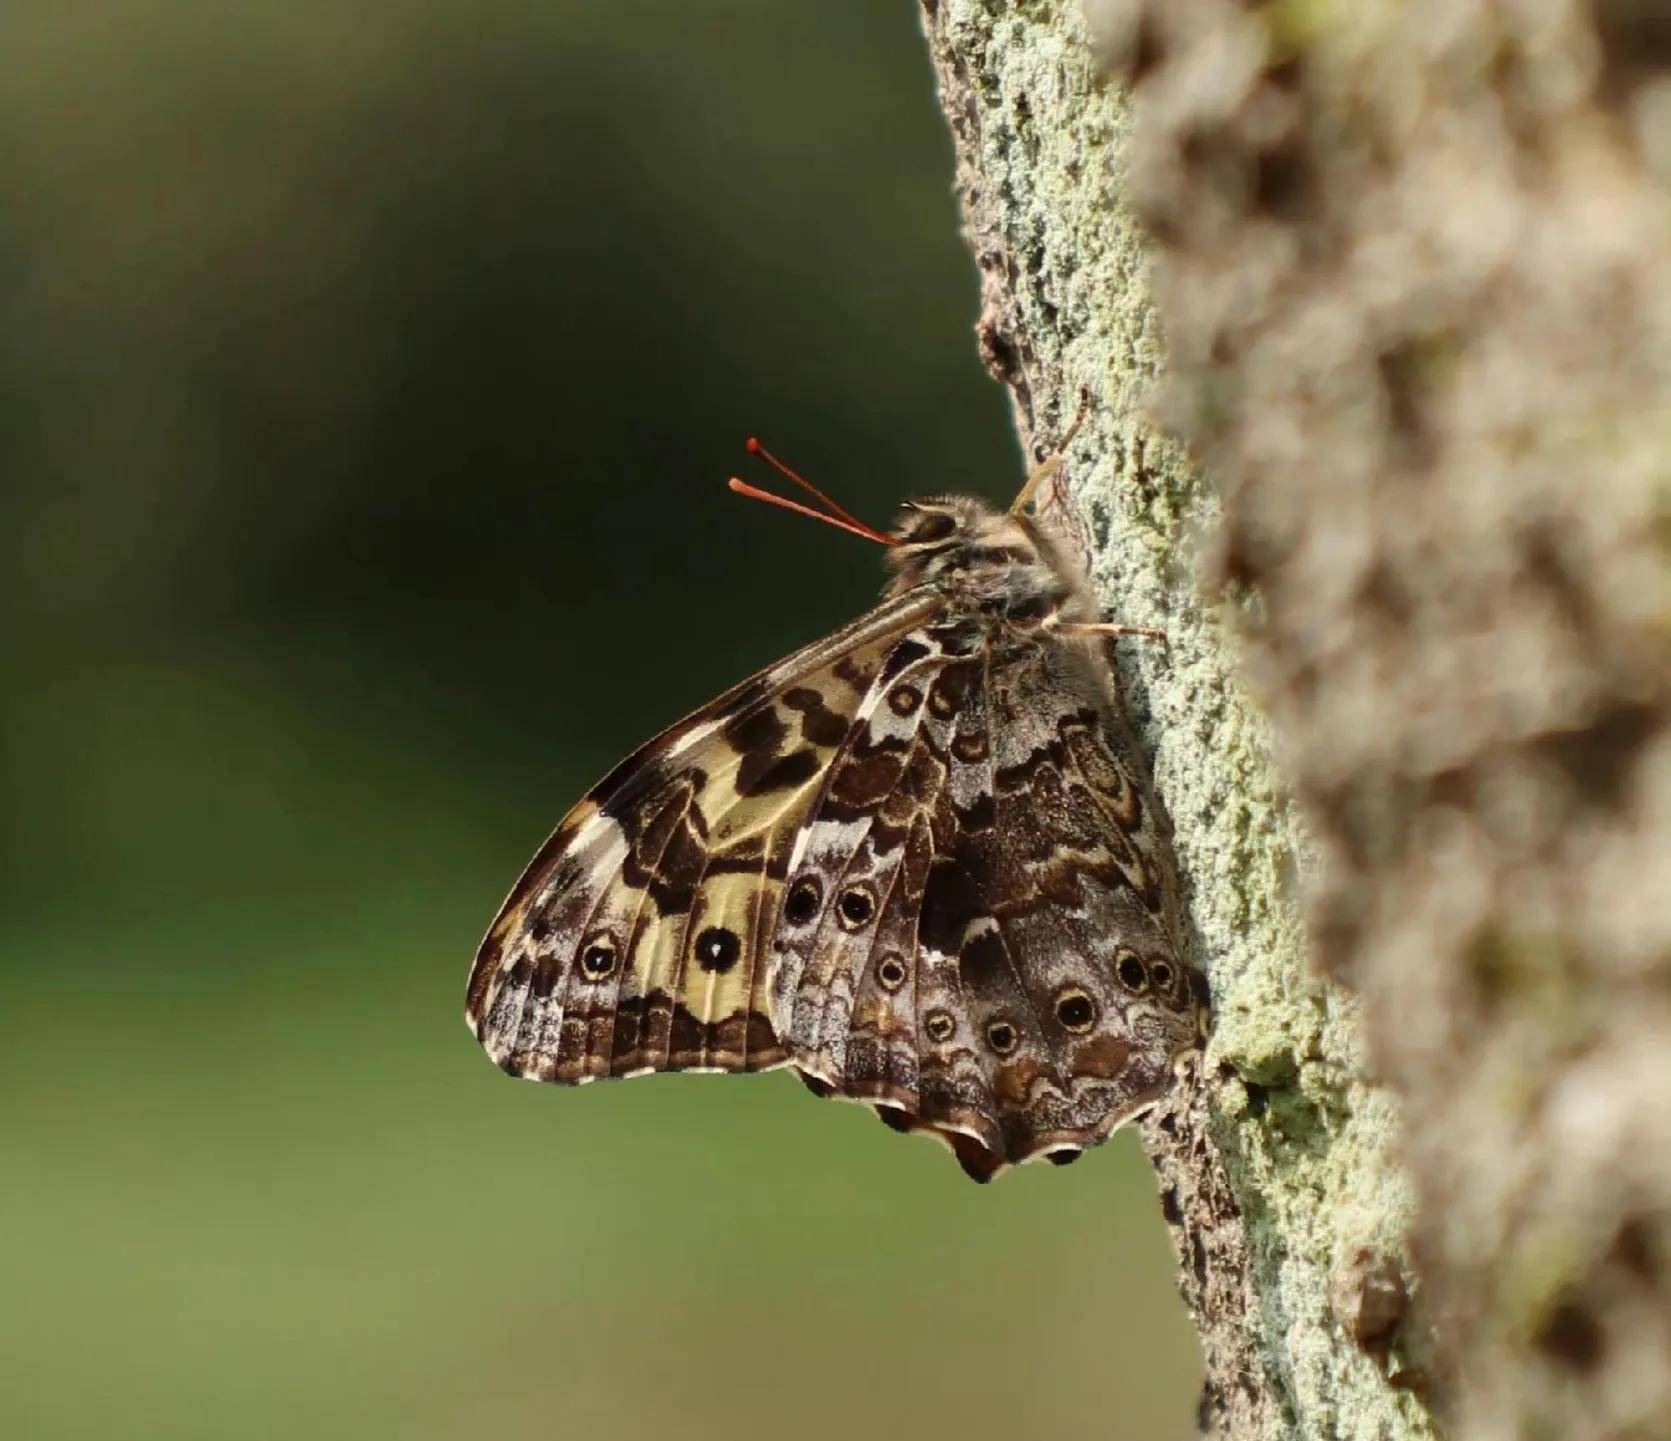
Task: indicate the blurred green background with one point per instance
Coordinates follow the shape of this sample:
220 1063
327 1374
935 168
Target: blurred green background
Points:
369 376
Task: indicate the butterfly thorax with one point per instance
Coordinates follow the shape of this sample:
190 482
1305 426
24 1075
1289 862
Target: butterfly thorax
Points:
991 566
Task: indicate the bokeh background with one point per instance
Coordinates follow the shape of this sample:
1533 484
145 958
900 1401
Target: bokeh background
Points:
369 376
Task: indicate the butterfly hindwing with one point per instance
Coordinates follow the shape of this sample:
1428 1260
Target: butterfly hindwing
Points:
635 941
1089 895
981 858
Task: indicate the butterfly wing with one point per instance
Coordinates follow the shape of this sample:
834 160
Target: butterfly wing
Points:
636 939
980 932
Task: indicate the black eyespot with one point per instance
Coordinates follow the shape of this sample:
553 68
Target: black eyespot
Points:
890 971
969 746
1001 1036
857 906
803 901
1134 975
903 699
1062 1157
948 693
1162 974
939 1025
597 958
1075 1010
717 949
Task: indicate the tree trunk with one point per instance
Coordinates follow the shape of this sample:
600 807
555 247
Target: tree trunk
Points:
1410 259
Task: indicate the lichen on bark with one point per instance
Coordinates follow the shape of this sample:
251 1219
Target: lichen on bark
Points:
1412 266
1279 1184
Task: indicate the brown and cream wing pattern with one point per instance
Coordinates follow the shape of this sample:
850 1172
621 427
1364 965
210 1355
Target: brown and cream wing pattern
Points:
1087 905
981 862
851 912
637 939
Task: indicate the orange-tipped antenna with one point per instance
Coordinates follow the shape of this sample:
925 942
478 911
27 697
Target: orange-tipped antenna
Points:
838 517
852 527
756 448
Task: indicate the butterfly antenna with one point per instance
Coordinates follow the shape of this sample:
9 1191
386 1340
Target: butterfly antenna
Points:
837 516
852 527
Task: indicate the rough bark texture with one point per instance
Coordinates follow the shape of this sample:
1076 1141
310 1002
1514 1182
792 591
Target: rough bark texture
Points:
1410 260
1278 1179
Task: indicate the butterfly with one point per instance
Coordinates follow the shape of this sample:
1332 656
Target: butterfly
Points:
917 861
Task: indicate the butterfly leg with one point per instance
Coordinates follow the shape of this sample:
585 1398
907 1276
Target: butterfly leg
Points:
1039 475
1048 468
1101 628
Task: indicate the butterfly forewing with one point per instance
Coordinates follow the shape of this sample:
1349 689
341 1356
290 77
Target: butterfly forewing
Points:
635 939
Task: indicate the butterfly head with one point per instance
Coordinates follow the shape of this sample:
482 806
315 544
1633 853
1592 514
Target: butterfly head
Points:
990 562
996 566
936 523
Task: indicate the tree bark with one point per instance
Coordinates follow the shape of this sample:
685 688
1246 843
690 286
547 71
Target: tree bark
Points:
1410 261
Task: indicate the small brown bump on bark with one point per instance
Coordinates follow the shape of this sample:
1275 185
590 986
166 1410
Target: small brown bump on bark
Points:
1371 1301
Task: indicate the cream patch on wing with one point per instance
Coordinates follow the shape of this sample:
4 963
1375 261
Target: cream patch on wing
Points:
721 933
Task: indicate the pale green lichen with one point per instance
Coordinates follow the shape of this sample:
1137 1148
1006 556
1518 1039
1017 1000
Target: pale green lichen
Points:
1309 1143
